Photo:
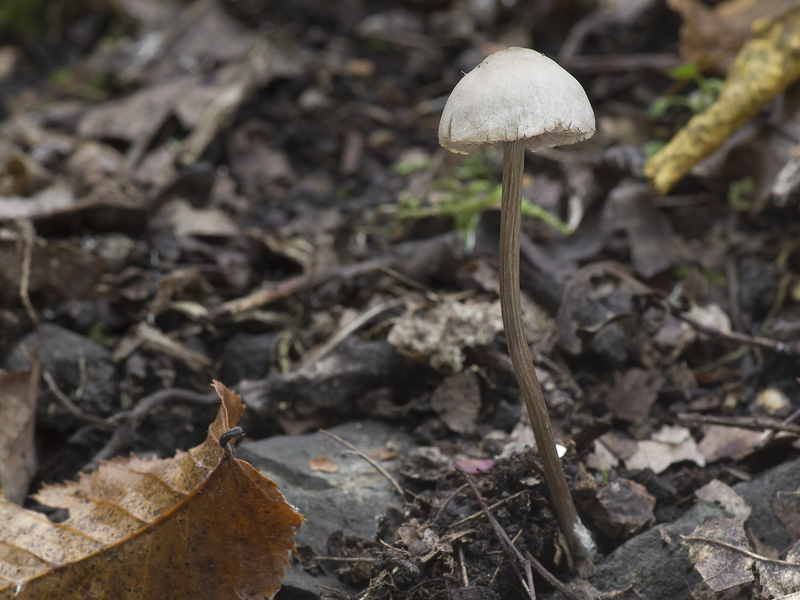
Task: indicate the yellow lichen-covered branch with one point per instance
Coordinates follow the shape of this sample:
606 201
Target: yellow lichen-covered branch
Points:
764 67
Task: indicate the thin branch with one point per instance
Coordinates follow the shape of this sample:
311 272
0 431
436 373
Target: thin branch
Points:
789 348
71 406
740 550
447 501
322 351
130 420
493 507
754 423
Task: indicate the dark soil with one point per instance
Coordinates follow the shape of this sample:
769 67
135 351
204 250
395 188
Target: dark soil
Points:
155 269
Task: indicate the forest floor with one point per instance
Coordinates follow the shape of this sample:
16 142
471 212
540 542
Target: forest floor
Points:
252 191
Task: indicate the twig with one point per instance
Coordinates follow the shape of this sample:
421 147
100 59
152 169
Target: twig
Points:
129 420
740 550
790 348
754 423
551 579
493 507
527 582
771 436
71 406
301 283
322 351
29 238
447 501
370 460
346 559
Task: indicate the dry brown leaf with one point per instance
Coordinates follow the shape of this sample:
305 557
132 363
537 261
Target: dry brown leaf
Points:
457 401
728 442
56 266
711 36
19 391
323 464
202 524
634 393
668 446
722 494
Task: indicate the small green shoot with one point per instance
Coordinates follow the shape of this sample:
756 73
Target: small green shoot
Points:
465 196
708 88
740 194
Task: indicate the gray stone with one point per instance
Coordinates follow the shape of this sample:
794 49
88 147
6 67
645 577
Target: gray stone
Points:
247 356
760 492
61 352
353 499
655 564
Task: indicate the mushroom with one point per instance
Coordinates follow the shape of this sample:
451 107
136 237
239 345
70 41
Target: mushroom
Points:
525 100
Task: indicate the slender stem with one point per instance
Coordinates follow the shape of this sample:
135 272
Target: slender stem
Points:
577 536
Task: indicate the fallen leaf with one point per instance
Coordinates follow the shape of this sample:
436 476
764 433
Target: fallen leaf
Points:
654 246
202 524
668 446
720 567
457 401
781 580
728 442
19 391
722 494
710 36
323 464
473 466
185 220
382 453
786 507
601 458
441 333
634 393
56 267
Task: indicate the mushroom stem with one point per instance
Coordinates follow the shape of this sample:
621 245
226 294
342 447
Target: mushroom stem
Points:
578 538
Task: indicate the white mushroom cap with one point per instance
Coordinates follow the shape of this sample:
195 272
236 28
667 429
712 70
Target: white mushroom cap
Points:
516 94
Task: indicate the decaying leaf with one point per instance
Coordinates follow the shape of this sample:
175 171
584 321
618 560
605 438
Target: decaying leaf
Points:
781 579
722 494
786 507
721 554
711 35
728 442
634 393
668 446
323 464
720 566
457 401
764 68
441 333
57 267
19 391
202 524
